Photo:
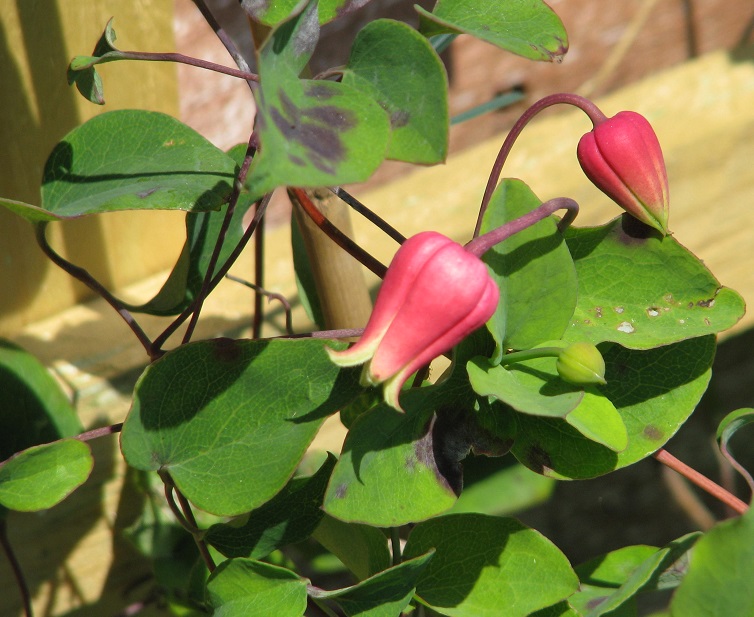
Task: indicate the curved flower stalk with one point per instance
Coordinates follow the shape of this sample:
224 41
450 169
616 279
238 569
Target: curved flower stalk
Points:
434 295
623 158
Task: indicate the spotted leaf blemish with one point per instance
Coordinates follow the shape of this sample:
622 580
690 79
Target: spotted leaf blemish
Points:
625 326
619 309
653 311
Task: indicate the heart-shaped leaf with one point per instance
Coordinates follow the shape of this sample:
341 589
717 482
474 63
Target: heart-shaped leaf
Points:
231 419
673 296
398 68
528 28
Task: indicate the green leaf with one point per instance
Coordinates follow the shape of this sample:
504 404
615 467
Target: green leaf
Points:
247 588
534 270
385 594
528 28
307 289
668 294
399 69
202 231
561 609
313 132
81 70
362 549
291 516
33 408
42 476
718 581
509 488
729 427
272 13
487 566
231 419
533 387
654 391
131 160
387 448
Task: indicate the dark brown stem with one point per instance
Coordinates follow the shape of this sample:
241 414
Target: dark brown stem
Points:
100 432
261 209
185 516
481 244
200 543
336 235
82 275
701 481
271 295
589 108
359 207
256 329
223 36
15 566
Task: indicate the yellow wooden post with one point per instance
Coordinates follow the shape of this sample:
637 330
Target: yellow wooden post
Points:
37 108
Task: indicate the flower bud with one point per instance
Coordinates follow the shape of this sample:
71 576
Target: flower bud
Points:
581 364
435 293
622 157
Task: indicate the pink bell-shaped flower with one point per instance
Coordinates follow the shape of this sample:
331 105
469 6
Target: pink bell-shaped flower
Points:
622 157
435 293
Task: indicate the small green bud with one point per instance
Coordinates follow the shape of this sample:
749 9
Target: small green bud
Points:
581 364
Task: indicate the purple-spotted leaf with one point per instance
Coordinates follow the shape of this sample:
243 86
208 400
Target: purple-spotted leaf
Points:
130 160
528 28
399 69
230 420
312 132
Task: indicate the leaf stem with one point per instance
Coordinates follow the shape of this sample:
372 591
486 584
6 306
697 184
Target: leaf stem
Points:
589 108
481 244
15 566
701 481
531 354
83 275
337 236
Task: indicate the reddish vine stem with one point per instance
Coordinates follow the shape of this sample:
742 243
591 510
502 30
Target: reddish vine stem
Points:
83 275
271 295
701 481
337 236
589 108
146 56
15 566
